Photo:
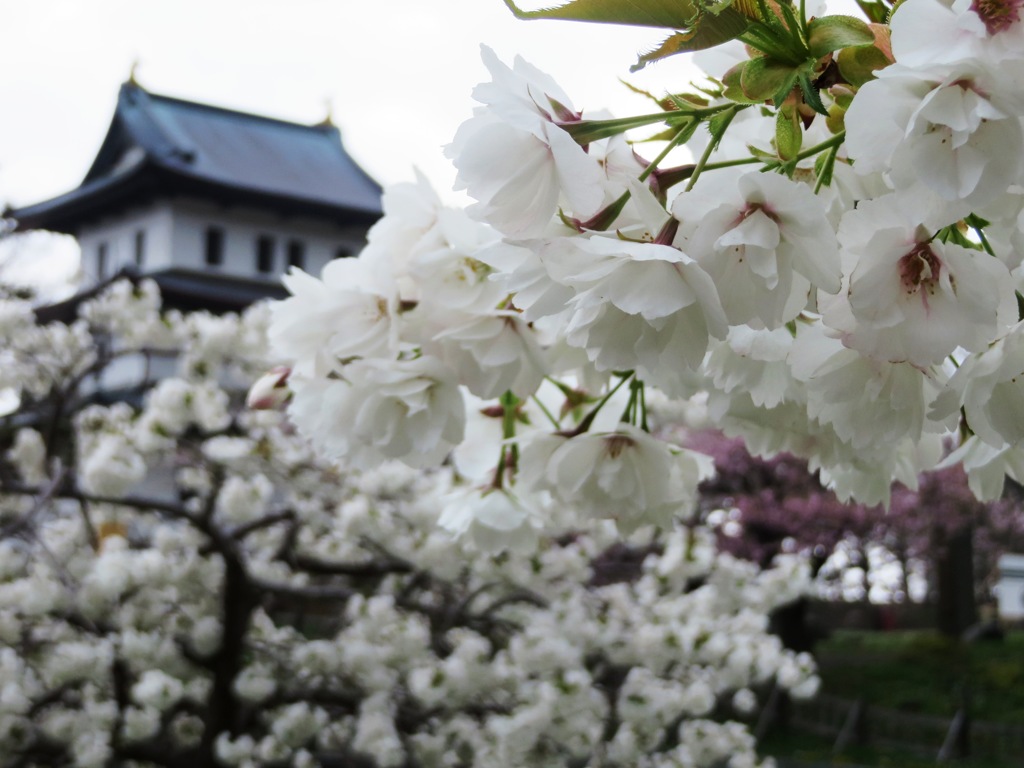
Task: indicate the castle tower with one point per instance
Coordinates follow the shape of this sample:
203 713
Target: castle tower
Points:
213 204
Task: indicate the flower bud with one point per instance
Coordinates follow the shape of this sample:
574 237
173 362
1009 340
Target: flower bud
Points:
271 390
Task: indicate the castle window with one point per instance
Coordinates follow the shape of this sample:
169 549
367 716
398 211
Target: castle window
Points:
102 252
140 247
265 254
214 246
296 254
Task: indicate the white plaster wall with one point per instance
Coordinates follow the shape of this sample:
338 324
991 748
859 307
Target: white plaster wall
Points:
1009 595
243 228
176 237
118 232
1009 590
131 371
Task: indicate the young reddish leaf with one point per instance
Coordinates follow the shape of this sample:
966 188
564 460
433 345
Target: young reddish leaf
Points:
674 14
707 32
699 27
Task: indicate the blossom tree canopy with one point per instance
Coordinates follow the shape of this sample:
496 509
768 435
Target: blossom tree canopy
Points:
184 583
764 507
835 273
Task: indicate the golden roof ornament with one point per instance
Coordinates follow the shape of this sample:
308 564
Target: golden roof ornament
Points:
328 121
132 80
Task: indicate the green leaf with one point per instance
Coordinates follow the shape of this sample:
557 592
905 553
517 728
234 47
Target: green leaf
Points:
732 80
824 164
876 12
645 93
717 123
764 78
790 24
677 133
586 131
707 32
789 134
832 33
760 154
772 43
674 14
858 65
683 101
672 102
811 96
974 220
700 27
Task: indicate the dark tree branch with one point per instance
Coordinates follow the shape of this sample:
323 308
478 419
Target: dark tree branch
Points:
44 496
267 521
311 592
369 568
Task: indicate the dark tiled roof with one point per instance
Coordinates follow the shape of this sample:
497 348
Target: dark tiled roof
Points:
159 145
185 290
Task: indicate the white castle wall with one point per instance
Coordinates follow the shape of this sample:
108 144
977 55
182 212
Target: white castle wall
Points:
174 236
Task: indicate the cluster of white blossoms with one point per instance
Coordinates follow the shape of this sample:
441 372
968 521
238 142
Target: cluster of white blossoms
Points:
836 275
184 583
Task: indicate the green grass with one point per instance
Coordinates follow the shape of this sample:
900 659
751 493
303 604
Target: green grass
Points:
817 751
919 672
927 673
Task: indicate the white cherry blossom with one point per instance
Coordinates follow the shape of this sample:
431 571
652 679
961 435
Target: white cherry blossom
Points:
987 467
493 353
520 187
410 410
990 389
349 312
911 298
866 401
755 362
952 132
491 520
764 240
626 475
637 305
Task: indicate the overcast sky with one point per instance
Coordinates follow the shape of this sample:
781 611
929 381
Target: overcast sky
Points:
398 72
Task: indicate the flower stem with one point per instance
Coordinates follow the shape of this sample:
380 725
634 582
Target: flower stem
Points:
589 418
834 141
681 136
586 131
732 163
509 456
716 137
819 182
546 412
604 219
636 409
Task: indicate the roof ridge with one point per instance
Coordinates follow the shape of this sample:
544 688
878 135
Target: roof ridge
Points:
177 100
207 150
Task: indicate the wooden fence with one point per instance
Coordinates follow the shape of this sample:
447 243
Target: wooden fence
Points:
849 721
